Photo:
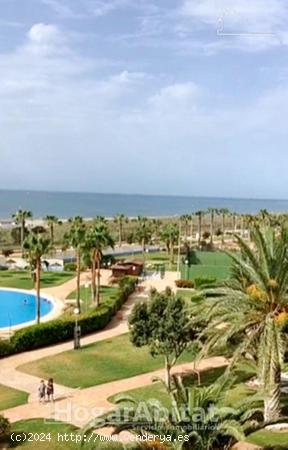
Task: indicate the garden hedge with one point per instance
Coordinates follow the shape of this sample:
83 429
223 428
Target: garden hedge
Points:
59 330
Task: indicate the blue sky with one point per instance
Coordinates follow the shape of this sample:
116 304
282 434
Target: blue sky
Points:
169 96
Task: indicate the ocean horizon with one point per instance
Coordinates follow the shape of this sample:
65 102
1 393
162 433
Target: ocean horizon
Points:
69 204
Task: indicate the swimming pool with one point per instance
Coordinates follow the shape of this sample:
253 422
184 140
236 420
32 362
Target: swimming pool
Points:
18 307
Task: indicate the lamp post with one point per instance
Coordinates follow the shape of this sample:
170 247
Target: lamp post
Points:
187 268
77 330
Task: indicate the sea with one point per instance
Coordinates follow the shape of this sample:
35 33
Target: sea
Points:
69 204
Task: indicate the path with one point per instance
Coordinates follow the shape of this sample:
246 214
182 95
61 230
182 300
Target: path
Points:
80 406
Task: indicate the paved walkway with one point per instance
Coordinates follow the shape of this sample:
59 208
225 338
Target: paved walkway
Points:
80 406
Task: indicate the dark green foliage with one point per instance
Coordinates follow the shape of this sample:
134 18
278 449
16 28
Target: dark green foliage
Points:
70 267
163 325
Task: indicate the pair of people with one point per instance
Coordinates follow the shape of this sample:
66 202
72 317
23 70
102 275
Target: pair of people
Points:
46 390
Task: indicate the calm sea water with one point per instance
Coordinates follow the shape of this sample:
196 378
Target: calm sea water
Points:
66 205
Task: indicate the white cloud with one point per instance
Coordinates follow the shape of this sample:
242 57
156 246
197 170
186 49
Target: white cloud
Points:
175 97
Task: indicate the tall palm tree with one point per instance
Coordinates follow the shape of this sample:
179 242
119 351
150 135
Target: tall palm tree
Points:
143 233
75 238
35 246
170 235
51 221
185 218
120 219
252 308
200 215
20 218
213 212
223 212
98 238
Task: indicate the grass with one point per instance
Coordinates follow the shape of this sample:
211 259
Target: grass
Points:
11 397
51 434
210 264
22 279
106 292
102 362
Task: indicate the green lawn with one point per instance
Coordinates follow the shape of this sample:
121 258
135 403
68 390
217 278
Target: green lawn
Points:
106 292
22 279
53 431
11 397
210 264
102 362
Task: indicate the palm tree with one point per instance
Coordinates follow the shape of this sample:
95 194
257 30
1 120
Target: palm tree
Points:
98 237
75 238
170 235
212 212
253 307
195 412
223 212
120 219
20 218
185 218
51 221
35 246
143 233
199 214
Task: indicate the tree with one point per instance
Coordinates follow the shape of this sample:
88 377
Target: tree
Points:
51 221
212 212
20 218
75 238
170 235
120 219
198 413
143 233
223 212
163 325
199 214
35 246
98 238
185 219
252 308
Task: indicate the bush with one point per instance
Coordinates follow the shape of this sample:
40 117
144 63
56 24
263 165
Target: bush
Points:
59 330
5 348
70 267
203 281
184 284
5 427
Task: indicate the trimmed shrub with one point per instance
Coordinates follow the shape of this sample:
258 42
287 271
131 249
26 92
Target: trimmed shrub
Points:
184 284
70 267
5 427
59 330
5 348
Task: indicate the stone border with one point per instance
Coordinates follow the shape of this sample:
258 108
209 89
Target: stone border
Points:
57 309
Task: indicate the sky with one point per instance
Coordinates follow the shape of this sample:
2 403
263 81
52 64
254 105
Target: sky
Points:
185 97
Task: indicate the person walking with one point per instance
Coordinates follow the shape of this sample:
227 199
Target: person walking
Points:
50 390
42 391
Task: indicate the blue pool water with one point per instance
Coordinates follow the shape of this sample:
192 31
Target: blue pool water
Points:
14 310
